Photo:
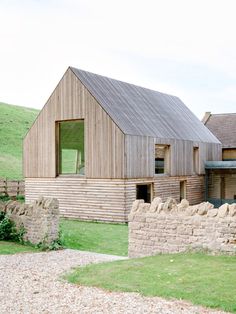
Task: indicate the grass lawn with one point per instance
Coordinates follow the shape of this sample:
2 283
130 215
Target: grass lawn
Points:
7 247
15 121
199 278
96 237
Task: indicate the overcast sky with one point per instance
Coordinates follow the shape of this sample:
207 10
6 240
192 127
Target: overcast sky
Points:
185 48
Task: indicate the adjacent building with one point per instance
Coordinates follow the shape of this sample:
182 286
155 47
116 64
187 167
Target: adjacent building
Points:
221 175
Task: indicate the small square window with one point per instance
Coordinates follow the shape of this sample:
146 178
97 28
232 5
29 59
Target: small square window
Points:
144 192
162 159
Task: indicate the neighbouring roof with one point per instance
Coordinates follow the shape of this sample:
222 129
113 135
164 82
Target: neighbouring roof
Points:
223 126
141 111
220 164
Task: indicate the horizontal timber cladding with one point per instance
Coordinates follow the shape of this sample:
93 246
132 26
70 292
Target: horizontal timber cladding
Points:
229 154
222 184
107 199
104 141
88 199
165 186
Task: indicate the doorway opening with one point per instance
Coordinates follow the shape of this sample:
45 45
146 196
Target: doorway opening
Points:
144 192
182 194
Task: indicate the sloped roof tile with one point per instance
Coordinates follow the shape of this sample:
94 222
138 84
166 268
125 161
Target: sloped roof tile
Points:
223 126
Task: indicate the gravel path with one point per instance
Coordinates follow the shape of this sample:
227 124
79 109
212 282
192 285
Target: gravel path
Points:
29 283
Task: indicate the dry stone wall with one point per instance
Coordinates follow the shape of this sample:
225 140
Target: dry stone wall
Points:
168 227
40 219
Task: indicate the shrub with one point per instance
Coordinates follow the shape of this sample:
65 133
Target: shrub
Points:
8 229
53 246
5 198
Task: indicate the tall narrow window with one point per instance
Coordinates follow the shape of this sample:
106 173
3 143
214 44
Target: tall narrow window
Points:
222 188
196 160
162 159
182 187
71 159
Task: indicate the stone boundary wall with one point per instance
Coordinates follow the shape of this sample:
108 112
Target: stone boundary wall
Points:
40 219
171 228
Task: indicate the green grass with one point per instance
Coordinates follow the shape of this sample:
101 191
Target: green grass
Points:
95 237
7 247
14 124
199 278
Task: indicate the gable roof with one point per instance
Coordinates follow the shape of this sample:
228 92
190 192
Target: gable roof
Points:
141 111
223 126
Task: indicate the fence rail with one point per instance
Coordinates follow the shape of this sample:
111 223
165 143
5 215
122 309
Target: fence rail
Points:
12 188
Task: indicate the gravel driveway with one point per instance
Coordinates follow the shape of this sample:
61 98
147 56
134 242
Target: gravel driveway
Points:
29 283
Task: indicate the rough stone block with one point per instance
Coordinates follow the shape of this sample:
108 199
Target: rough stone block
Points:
135 205
41 223
143 207
232 210
154 205
223 210
160 207
212 212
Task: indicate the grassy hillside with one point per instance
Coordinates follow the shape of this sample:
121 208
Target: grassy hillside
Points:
14 124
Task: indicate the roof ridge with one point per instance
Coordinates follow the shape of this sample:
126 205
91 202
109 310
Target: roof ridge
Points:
123 82
223 114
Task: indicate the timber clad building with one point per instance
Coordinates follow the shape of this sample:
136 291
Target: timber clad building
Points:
98 144
221 175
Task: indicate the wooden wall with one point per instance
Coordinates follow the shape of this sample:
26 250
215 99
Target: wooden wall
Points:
229 154
87 199
139 156
107 199
215 185
165 187
108 152
104 142
182 155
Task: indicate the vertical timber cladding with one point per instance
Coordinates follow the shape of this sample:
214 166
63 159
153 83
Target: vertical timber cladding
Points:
104 141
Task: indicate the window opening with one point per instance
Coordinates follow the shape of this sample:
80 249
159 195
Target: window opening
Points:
144 192
71 158
182 190
162 159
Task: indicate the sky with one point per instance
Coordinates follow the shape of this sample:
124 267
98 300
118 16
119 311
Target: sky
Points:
185 48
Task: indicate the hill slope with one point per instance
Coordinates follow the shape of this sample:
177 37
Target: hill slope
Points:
14 124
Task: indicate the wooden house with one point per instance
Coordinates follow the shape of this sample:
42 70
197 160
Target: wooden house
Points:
221 175
98 144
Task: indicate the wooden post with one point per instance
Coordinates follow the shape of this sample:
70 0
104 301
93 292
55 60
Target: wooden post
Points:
78 161
5 187
18 188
